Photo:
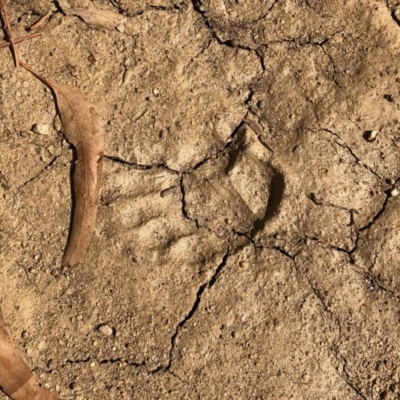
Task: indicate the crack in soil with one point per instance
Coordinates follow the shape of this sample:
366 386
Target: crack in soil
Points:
198 7
185 212
332 61
351 152
326 308
335 347
140 167
207 285
44 169
377 215
118 360
199 54
347 252
358 160
348 381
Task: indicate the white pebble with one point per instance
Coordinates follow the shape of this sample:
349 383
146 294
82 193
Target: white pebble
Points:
106 330
121 27
371 135
397 14
394 192
41 129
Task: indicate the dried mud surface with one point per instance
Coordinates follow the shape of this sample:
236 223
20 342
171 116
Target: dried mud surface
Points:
247 244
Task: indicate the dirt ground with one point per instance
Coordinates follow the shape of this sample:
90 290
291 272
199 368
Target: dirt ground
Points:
247 243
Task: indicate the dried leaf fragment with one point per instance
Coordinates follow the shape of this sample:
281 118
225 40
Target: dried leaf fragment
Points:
82 128
16 379
93 16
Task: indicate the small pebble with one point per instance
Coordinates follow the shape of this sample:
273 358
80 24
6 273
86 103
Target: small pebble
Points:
121 27
371 135
397 14
105 330
394 192
41 129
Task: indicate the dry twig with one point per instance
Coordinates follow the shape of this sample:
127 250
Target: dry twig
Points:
9 32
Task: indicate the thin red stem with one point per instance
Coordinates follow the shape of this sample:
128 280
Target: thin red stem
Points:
9 33
40 21
19 40
37 75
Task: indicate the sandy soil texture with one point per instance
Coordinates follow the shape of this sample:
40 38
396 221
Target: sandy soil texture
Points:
247 243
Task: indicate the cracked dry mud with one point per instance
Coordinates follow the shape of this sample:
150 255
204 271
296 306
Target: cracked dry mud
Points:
247 244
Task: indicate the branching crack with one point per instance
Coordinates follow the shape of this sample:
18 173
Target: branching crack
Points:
256 126
377 215
320 202
140 167
119 360
199 54
44 169
351 152
122 361
330 58
285 252
347 252
192 311
349 382
199 8
229 142
78 361
321 299
185 212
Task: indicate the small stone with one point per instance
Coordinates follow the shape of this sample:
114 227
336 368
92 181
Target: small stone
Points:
261 104
396 14
156 92
370 135
389 98
394 192
121 27
106 330
41 129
